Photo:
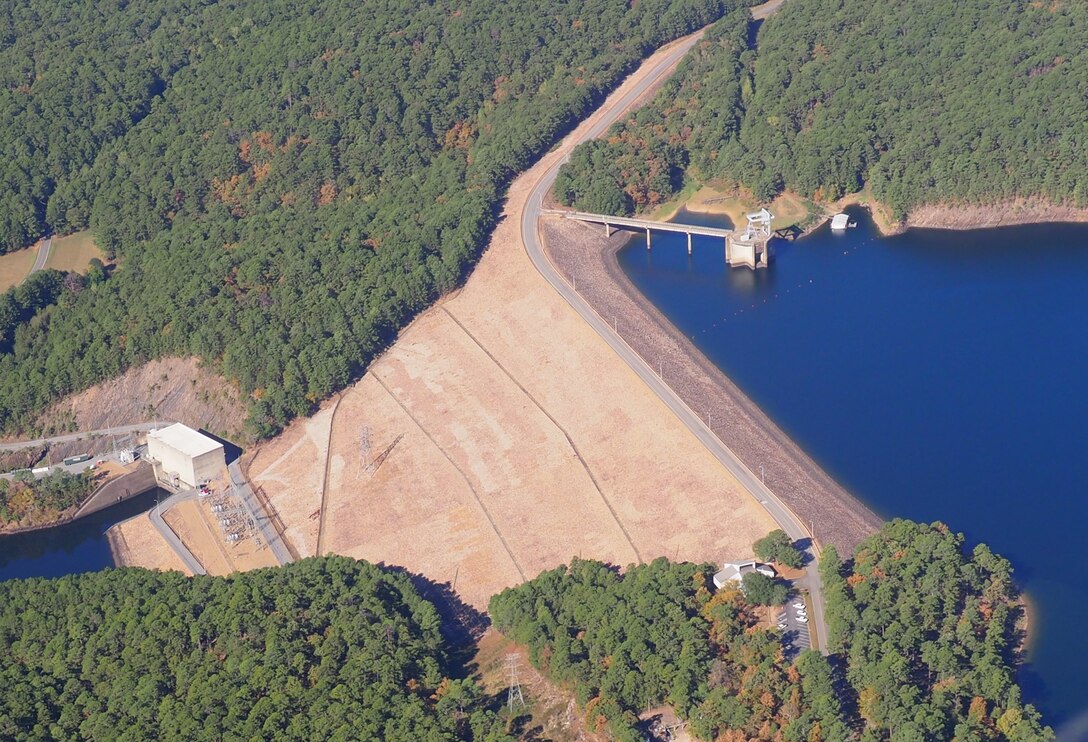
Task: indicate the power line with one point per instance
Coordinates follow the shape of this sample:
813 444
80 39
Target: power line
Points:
514 698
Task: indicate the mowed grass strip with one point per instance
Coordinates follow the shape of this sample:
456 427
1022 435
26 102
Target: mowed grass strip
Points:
74 252
15 266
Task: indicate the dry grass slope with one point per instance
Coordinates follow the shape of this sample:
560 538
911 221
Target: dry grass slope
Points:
74 252
505 437
15 266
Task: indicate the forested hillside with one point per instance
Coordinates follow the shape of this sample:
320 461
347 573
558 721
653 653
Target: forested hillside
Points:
644 159
290 182
925 638
26 500
974 101
74 76
321 649
924 635
654 635
930 636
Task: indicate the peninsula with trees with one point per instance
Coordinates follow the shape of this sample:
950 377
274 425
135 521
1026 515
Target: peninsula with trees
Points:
970 104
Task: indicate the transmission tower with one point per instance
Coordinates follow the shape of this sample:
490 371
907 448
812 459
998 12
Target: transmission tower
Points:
514 698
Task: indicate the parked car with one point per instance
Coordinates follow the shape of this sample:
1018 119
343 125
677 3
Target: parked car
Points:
803 619
799 605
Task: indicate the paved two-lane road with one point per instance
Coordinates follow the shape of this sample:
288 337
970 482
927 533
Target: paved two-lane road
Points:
652 73
43 254
155 514
68 437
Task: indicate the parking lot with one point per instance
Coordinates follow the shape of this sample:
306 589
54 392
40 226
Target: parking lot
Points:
792 620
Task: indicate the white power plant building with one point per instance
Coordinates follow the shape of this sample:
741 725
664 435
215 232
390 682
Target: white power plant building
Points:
183 454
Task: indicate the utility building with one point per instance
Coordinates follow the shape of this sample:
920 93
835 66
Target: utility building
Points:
185 456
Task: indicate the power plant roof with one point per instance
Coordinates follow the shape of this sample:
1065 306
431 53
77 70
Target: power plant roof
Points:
183 438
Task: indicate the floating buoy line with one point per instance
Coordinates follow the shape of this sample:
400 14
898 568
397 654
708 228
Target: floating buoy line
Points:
780 294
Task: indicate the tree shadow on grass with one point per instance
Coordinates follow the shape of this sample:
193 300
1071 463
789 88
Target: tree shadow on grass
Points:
462 625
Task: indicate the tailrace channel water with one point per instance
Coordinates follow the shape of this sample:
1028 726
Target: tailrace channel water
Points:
79 546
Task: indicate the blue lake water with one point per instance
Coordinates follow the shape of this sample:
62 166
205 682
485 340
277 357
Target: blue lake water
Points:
937 375
80 546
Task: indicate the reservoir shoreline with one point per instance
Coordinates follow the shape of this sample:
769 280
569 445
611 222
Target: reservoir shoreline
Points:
589 260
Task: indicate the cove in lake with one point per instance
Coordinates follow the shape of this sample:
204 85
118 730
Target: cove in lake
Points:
937 375
79 546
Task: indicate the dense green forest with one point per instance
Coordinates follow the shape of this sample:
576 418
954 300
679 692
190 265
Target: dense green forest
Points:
644 159
924 636
286 183
655 634
73 77
930 636
26 500
19 304
320 649
974 101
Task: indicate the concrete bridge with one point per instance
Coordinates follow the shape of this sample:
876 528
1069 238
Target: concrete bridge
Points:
750 247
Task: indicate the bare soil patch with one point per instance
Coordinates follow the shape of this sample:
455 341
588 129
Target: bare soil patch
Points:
290 471
415 509
167 389
193 530
199 529
1007 213
799 482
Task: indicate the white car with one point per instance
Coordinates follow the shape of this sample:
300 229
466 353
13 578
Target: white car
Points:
799 605
802 614
782 626
803 619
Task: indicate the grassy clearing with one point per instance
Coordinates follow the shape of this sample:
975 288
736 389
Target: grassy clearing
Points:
667 210
15 266
789 209
74 252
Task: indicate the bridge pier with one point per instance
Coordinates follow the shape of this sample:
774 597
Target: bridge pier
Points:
750 248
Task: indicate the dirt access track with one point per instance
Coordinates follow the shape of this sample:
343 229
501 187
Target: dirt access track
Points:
499 437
